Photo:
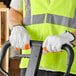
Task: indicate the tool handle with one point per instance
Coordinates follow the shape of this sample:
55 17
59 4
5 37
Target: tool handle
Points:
69 51
2 55
70 58
65 47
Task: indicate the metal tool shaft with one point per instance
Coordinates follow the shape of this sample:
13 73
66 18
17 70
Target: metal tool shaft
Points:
35 57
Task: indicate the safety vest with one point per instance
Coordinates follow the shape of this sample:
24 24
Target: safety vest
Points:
43 18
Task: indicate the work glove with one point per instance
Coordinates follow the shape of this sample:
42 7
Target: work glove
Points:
54 43
19 37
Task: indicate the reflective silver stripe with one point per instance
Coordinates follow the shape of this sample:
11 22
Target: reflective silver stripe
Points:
28 8
54 19
73 23
59 20
34 19
37 19
27 20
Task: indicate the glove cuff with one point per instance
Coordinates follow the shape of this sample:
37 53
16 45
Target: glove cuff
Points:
19 28
16 26
73 36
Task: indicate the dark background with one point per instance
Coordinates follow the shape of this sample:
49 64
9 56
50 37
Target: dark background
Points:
6 2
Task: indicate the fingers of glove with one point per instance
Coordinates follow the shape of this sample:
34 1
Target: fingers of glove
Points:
44 52
15 39
49 48
44 48
59 50
12 41
56 48
53 49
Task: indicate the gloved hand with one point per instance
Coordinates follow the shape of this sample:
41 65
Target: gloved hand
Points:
19 37
54 43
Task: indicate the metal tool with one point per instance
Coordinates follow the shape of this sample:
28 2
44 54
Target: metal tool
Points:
34 58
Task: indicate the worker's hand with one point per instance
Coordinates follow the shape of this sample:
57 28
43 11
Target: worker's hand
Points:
54 43
19 37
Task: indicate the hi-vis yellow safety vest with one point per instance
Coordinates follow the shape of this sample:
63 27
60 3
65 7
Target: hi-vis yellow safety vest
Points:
43 18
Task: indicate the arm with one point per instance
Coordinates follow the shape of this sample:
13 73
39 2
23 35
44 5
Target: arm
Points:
15 17
19 37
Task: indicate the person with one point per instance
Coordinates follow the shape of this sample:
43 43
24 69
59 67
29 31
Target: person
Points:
51 21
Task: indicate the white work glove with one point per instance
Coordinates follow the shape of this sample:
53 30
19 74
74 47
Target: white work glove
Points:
19 37
54 43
